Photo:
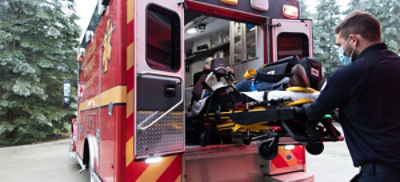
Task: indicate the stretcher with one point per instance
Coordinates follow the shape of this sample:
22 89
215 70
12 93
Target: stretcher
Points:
261 116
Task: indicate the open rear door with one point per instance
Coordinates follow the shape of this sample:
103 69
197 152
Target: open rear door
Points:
291 37
159 119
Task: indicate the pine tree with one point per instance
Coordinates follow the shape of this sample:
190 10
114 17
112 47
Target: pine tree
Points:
37 41
325 20
353 5
304 12
385 11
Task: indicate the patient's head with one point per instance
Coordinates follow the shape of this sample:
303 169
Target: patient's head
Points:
299 77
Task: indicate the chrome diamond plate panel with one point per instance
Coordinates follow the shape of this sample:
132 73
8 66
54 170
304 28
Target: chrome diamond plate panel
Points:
287 140
166 136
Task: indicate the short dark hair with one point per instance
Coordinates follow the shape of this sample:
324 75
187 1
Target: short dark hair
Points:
362 23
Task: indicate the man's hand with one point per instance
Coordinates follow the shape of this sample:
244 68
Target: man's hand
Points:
300 113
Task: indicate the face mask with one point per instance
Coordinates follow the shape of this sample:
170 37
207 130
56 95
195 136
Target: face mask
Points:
345 59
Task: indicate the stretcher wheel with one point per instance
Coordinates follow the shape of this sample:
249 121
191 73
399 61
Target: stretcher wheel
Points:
247 138
227 140
246 141
208 137
268 149
315 148
205 138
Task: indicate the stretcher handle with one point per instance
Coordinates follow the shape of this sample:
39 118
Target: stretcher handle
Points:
141 127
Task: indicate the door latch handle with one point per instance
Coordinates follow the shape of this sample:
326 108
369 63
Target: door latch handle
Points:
170 91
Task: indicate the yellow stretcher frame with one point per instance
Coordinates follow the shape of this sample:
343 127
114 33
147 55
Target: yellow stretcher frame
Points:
227 124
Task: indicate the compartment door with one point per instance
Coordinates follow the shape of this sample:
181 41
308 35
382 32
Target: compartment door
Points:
159 115
291 37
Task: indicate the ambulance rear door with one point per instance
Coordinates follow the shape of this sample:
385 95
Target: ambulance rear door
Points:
291 37
159 69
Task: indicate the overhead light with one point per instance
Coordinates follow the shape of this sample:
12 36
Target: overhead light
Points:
191 31
202 27
153 160
261 5
290 11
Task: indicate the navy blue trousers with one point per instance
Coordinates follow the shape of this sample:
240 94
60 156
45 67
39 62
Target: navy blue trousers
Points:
369 175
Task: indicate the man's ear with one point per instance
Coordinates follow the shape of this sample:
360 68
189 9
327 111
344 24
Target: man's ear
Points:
354 40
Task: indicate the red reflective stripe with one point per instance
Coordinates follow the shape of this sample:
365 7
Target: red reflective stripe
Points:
128 128
129 79
134 170
173 170
130 33
299 153
279 162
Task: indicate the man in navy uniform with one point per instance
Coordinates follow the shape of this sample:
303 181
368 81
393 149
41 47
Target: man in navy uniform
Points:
367 92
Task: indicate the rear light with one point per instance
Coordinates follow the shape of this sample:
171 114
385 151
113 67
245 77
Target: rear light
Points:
290 11
233 2
289 147
79 58
261 5
153 160
80 55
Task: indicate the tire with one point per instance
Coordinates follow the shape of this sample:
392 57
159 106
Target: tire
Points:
268 149
90 170
205 138
227 139
246 141
247 138
315 148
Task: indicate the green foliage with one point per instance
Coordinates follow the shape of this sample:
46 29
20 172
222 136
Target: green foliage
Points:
37 41
385 11
304 13
324 21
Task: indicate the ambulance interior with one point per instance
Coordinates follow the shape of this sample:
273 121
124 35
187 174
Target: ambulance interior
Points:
239 44
208 38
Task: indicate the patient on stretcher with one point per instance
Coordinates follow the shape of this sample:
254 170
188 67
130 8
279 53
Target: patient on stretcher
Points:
265 106
272 80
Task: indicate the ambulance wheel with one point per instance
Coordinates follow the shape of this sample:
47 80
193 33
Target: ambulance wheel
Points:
90 170
268 149
315 148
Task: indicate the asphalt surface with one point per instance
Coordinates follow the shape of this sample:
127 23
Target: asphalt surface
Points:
333 165
49 162
46 162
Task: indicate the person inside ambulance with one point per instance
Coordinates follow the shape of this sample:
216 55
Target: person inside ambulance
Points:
215 74
366 92
298 78
219 76
206 70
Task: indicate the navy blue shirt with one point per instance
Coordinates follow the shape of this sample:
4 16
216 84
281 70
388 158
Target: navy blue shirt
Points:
367 93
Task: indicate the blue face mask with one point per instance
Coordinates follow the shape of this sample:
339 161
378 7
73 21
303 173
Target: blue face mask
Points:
343 58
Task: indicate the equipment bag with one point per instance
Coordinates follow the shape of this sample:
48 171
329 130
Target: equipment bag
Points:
278 70
314 71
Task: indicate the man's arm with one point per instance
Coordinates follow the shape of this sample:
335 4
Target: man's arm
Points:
330 98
